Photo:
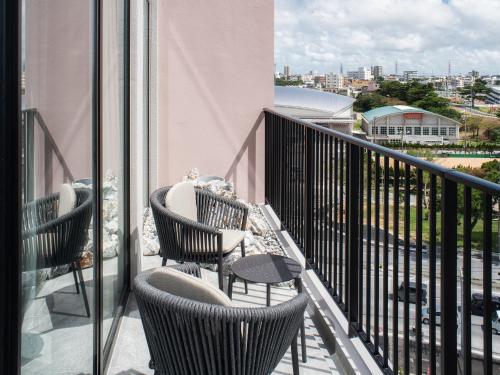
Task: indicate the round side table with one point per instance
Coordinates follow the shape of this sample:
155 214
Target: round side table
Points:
269 269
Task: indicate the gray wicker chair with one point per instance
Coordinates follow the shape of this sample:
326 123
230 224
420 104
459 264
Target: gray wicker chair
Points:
185 240
189 337
51 241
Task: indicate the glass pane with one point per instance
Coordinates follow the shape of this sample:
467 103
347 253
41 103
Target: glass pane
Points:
57 248
113 203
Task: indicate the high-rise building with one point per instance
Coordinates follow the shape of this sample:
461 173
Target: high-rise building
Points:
377 71
286 71
409 75
334 81
361 73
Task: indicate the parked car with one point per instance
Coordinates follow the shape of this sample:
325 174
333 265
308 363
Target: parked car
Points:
495 322
477 304
426 315
413 292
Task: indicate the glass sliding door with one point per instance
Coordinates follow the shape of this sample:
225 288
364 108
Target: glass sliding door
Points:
64 183
58 249
114 163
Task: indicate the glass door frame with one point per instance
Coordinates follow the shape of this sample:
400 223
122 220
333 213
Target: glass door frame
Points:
11 186
105 344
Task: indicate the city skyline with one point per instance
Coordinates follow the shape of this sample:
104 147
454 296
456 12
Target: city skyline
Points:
425 36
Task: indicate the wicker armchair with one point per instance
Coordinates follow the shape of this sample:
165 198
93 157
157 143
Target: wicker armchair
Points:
190 337
201 241
51 241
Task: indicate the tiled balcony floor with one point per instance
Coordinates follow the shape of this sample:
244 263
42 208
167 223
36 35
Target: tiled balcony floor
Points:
131 354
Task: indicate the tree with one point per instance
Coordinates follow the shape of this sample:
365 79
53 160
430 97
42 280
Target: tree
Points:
436 104
471 91
365 102
417 92
473 124
393 89
285 82
489 171
498 113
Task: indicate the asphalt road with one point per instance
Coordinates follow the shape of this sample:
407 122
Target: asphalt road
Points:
476 272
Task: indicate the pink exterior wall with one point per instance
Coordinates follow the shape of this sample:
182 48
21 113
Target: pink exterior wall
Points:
58 64
215 75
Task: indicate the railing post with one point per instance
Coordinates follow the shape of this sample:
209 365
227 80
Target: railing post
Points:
448 277
353 227
282 170
309 194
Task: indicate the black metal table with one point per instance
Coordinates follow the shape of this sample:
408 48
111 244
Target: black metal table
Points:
269 269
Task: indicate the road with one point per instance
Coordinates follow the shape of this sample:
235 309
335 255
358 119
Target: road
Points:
476 274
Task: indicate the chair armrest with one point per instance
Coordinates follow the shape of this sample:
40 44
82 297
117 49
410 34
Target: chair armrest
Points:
190 268
220 212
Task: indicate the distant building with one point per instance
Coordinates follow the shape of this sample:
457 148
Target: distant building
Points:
409 75
322 108
362 73
493 96
286 71
334 81
410 125
474 74
377 71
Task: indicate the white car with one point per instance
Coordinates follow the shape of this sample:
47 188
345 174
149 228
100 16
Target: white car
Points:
495 322
426 315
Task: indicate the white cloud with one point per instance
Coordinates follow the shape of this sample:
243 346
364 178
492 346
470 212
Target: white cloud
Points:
422 35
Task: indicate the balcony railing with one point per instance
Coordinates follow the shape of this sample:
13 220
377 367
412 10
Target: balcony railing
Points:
347 203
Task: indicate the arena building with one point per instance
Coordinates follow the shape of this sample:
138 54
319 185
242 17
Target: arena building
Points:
410 125
323 108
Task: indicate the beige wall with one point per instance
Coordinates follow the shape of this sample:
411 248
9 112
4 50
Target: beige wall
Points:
214 76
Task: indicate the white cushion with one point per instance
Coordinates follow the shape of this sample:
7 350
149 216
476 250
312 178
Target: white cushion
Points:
181 199
231 239
183 285
67 200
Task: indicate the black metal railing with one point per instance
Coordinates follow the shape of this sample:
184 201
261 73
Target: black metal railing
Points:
39 139
377 225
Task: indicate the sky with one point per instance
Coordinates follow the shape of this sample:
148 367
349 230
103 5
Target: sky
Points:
422 35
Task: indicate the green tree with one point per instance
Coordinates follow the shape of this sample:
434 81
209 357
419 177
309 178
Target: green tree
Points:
498 113
393 89
471 91
365 102
473 124
286 82
418 92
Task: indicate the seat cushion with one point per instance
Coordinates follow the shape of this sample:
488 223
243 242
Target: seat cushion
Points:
181 199
67 200
231 239
183 285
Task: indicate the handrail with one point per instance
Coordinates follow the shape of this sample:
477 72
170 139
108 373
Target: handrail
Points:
464 178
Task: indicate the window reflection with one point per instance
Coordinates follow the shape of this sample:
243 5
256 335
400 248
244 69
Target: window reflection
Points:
57 246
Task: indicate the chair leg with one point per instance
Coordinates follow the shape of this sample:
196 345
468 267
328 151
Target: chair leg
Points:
73 268
295 356
84 291
164 261
242 245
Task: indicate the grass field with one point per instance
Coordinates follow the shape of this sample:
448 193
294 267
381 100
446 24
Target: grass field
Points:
477 231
